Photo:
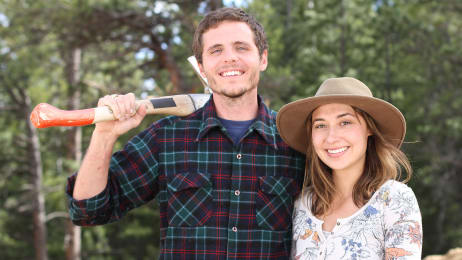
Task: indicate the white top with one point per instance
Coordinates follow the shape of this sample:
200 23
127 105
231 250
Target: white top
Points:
388 226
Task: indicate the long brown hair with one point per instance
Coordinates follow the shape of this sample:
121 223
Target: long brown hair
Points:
384 161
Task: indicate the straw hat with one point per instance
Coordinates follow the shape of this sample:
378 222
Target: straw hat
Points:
291 119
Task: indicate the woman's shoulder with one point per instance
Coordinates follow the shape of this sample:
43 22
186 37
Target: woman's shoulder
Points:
303 201
395 195
394 187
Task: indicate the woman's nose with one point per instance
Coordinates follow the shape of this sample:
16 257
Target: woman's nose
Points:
332 135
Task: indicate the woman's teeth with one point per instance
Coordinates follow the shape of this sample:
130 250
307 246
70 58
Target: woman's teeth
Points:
339 150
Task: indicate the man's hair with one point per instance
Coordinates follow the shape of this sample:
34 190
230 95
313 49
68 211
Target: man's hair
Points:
384 161
214 18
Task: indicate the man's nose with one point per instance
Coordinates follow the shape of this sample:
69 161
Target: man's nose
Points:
230 56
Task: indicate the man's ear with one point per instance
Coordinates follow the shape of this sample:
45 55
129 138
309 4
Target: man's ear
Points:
264 60
201 69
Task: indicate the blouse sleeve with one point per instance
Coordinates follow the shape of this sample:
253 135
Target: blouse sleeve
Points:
403 224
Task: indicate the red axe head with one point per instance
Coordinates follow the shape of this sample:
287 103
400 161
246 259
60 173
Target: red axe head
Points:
45 115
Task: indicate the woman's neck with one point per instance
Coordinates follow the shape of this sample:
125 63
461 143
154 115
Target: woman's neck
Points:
344 183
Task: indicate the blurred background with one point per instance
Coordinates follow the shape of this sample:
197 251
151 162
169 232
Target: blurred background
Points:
71 52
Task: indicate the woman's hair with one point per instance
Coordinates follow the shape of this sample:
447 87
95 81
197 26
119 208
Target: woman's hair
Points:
384 161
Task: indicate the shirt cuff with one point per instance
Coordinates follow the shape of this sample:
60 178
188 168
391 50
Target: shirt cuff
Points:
86 211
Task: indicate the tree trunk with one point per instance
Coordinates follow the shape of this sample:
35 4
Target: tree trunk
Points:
35 166
215 4
289 7
343 40
72 238
388 62
167 61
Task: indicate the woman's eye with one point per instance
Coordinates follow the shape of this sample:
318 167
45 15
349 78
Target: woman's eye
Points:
215 51
343 123
318 126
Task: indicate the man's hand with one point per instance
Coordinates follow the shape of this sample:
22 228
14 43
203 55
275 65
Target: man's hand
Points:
127 115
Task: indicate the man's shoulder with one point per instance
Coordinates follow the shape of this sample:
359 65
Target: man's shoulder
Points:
171 122
272 115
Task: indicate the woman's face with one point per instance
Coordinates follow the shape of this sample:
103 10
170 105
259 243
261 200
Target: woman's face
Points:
339 136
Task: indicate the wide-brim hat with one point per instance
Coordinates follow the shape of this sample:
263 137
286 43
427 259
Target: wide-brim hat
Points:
292 118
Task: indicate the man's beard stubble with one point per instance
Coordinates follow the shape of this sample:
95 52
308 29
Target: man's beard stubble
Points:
234 95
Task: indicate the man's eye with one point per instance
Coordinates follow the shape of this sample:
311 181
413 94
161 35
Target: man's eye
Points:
343 123
215 51
318 126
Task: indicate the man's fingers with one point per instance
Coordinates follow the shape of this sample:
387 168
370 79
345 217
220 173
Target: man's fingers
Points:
110 101
122 106
130 105
141 112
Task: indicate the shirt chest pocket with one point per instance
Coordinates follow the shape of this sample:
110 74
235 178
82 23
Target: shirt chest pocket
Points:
190 200
275 202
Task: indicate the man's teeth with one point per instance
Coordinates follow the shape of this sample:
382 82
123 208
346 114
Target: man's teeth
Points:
337 150
231 73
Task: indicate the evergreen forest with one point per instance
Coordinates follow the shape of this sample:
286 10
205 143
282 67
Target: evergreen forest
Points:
69 53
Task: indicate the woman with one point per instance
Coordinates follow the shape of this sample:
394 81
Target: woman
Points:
352 205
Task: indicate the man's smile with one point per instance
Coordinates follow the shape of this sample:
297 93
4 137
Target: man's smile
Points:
231 73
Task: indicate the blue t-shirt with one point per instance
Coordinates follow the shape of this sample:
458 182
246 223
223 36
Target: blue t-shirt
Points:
236 129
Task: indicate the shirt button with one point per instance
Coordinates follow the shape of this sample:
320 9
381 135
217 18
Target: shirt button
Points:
239 156
338 223
234 229
237 192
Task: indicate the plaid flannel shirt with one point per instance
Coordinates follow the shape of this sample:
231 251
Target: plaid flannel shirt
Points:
217 199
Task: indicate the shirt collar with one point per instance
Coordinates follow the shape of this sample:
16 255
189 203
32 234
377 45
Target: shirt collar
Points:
263 125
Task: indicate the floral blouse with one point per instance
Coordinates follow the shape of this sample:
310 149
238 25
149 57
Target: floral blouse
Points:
388 226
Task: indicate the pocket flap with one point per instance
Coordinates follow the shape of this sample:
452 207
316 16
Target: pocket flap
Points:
183 181
279 185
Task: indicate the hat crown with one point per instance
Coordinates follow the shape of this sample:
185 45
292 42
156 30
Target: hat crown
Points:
343 86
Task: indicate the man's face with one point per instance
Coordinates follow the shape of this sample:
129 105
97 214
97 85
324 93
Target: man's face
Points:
230 59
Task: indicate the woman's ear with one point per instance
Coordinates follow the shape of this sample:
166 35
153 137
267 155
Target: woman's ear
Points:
369 132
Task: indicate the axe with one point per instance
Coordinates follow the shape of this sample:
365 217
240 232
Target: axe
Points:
45 115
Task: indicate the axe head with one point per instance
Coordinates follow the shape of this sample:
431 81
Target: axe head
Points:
192 60
199 100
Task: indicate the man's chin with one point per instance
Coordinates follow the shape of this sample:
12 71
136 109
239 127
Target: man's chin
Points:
234 95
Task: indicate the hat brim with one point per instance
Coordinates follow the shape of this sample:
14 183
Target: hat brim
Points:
292 117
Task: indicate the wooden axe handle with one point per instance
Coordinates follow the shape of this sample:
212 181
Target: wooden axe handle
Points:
45 115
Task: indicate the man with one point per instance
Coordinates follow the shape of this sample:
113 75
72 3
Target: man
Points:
224 179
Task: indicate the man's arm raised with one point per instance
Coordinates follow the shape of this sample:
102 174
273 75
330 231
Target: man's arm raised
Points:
93 173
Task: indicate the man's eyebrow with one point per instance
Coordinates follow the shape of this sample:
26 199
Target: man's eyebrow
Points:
214 46
241 42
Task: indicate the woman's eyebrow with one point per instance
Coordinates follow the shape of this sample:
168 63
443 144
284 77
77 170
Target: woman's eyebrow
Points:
318 119
345 114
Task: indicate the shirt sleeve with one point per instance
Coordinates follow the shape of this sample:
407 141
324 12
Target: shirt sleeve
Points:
403 224
132 182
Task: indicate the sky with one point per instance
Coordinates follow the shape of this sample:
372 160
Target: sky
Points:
239 3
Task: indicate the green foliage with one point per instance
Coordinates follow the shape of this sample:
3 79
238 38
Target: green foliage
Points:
407 51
